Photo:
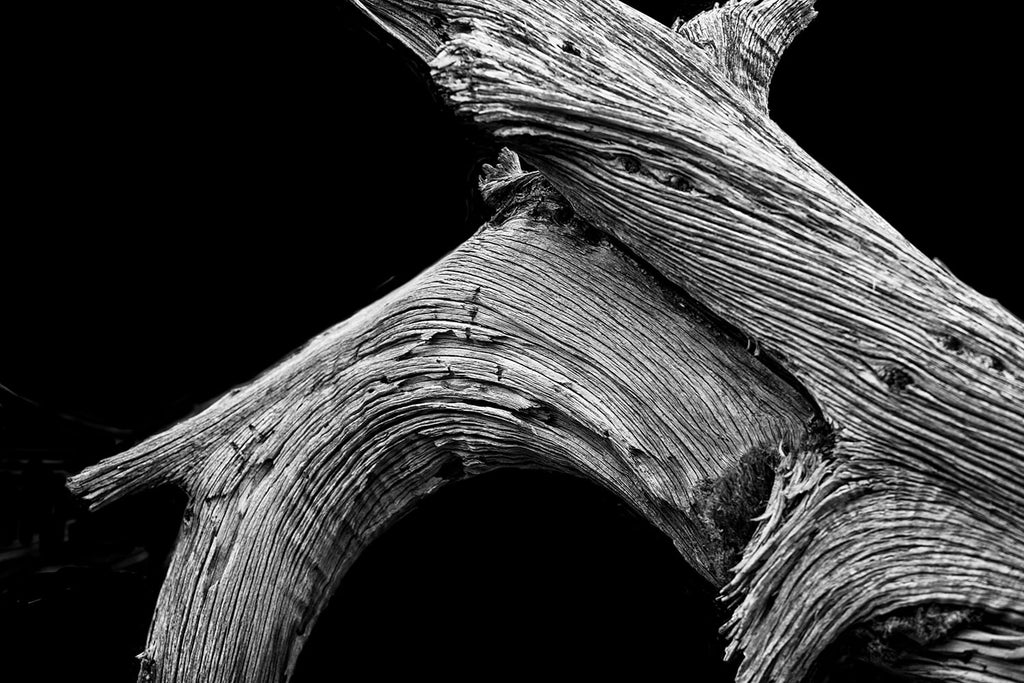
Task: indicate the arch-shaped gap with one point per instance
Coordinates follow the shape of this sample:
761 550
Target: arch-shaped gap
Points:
518 573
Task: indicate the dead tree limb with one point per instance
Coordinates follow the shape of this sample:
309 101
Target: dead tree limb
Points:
917 374
537 344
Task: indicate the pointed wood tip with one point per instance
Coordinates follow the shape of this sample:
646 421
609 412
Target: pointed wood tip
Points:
747 38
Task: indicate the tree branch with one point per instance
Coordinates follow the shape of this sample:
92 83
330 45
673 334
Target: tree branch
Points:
920 376
541 344
535 344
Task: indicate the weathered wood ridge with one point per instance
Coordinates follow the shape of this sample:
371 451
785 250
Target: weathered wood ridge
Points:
680 305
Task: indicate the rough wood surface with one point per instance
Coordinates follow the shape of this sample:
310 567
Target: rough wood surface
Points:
540 344
746 39
535 344
665 144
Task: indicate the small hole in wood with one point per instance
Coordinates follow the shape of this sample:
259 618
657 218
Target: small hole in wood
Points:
567 46
951 343
678 182
630 163
452 469
896 378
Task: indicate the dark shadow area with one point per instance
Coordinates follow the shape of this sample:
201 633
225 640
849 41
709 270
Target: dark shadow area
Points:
196 189
77 604
519 574
202 187
907 105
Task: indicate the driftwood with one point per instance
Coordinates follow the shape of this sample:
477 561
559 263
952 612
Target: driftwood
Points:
680 305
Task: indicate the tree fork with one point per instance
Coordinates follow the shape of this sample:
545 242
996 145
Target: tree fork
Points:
663 141
891 534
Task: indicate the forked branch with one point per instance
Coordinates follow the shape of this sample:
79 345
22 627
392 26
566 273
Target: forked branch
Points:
919 376
543 343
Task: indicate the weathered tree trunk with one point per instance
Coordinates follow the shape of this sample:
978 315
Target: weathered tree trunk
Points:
693 314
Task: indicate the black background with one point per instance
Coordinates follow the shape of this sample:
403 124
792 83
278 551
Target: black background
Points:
194 189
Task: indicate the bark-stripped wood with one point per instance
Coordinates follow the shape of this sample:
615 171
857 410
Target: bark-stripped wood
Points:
920 376
746 39
536 344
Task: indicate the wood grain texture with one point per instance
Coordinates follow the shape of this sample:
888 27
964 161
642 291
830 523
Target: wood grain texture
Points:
535 344
541 344
657 141
746 39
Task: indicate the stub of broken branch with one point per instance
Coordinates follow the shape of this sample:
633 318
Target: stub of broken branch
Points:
746 38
